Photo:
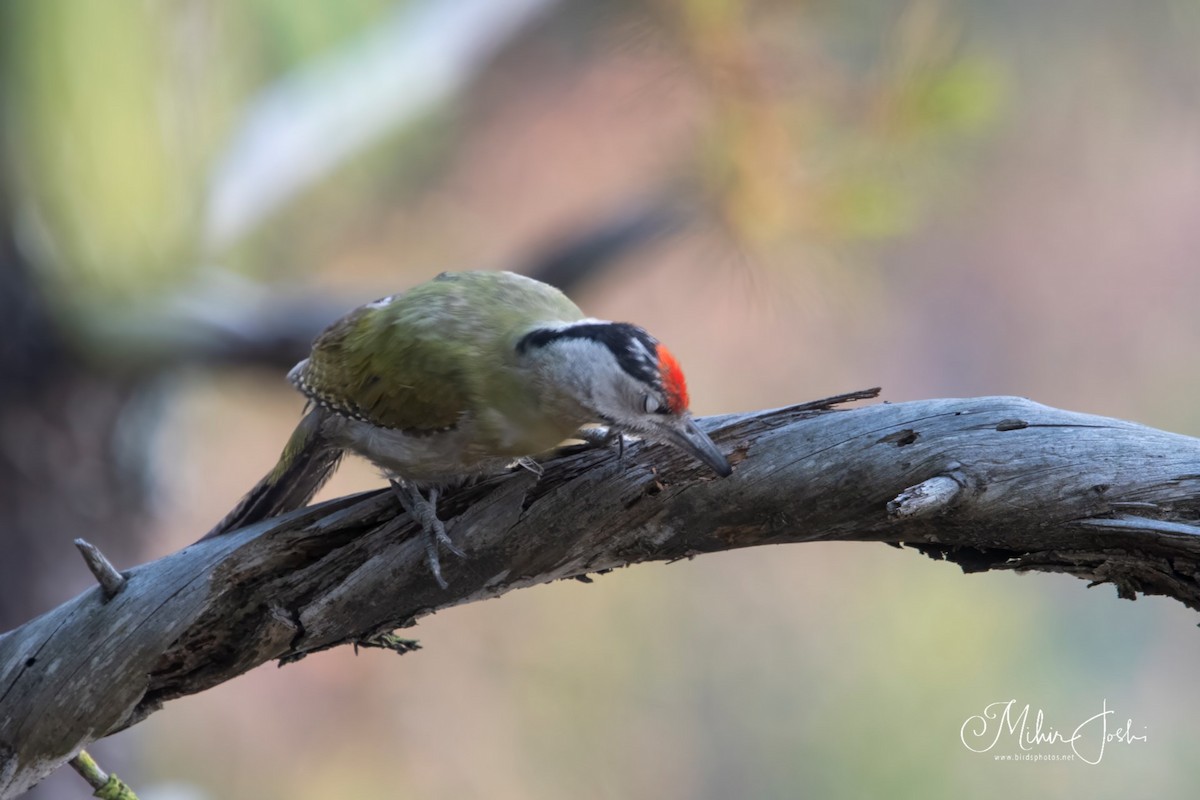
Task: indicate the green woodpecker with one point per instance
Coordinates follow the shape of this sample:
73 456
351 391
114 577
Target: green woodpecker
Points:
464 376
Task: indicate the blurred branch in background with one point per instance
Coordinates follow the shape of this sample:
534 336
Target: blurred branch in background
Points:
989 483
233 321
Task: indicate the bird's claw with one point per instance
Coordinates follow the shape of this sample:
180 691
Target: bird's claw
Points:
431 556
436 538
424 511
443 539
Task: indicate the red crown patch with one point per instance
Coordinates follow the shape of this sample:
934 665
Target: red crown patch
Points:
673 382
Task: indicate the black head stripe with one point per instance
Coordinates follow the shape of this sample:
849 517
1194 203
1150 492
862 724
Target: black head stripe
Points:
635 350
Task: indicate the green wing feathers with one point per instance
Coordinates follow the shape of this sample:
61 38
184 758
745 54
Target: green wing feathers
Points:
385 371
420 360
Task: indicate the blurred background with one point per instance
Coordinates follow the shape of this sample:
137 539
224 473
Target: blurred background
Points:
945 198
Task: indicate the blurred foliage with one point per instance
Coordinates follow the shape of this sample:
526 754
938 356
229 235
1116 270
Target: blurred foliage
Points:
807 140
118 112
103 134
289 34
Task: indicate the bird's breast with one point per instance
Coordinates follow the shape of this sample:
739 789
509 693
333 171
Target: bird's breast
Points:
476 446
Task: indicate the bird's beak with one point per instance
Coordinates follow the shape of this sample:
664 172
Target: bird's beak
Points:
684 433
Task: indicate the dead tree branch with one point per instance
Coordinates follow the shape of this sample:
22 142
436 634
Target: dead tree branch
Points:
989 483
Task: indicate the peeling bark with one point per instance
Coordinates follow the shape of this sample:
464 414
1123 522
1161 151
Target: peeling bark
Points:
988 483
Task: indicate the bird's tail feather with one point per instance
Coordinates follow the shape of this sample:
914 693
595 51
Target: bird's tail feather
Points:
306 463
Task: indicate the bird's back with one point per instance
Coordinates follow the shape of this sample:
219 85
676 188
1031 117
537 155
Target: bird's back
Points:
418 361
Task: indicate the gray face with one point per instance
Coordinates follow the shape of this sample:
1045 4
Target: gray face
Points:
614 375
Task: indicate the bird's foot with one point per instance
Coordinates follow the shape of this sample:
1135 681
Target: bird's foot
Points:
424 510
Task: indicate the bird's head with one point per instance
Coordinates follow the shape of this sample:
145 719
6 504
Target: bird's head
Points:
621 376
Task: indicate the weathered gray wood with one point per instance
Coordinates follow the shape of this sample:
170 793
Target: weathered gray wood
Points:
990 483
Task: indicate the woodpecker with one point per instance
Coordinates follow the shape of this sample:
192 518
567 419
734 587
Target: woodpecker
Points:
463 376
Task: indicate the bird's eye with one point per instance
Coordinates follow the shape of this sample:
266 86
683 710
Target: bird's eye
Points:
652 404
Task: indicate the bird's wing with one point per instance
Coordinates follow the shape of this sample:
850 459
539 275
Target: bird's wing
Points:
388 369
421 360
